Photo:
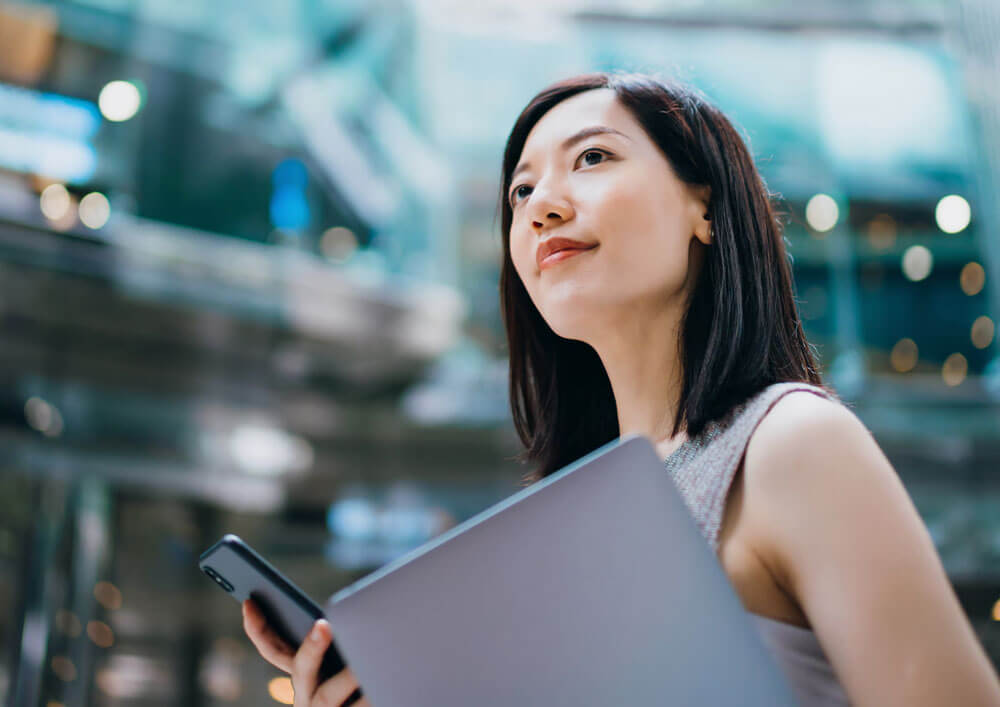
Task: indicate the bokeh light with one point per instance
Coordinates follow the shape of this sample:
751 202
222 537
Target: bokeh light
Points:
63 668
338 243
917 263
954 369
108 595
95 210
134 679
983 331
952 214
904 355
219 674
43 417
55 202
972 278
119 101
100 633
882 231
822 213
281 690
221 679
266 450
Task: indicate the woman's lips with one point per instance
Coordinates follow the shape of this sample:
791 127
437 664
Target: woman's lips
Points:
561 255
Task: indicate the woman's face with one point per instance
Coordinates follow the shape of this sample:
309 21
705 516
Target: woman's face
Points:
588 172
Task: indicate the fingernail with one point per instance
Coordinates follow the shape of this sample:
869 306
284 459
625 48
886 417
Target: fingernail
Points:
317 632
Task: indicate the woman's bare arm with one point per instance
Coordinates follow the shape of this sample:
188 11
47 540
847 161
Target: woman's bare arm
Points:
831 517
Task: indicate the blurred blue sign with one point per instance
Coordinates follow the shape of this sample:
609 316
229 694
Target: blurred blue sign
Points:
289 207
47 134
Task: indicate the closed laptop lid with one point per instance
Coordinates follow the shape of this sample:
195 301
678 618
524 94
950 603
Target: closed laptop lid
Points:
591 587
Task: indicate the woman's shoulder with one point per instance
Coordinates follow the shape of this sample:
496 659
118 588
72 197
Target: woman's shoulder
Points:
796 390
773 405
803 420
808 450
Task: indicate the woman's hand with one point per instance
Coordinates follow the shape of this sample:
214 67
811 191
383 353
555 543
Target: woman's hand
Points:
303 665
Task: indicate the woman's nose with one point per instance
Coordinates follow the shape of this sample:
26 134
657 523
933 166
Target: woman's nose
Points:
551 217
548 208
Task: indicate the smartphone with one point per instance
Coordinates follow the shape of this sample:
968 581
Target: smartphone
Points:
235 567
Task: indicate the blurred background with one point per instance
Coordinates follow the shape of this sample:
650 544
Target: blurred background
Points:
248 283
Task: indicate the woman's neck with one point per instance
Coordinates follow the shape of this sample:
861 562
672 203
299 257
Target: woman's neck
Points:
641 356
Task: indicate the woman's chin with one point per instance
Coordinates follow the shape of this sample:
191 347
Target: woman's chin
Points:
576 321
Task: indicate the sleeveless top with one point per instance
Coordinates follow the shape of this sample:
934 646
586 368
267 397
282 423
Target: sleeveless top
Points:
703 468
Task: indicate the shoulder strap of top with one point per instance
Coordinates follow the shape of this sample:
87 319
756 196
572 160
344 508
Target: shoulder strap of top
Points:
704 467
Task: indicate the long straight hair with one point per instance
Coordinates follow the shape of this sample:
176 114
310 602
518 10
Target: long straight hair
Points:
741 331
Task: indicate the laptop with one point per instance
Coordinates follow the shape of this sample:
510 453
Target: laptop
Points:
592 587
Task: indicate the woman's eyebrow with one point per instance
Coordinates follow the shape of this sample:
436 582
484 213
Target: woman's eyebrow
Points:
588 132
575 138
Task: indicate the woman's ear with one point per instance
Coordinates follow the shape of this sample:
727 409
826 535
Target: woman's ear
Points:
703 225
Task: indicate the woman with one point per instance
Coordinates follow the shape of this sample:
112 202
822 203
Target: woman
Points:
646 289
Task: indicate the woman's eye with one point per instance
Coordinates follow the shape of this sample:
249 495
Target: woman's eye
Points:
518 193
600 153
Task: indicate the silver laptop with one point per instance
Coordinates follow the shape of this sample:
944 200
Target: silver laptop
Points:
591 587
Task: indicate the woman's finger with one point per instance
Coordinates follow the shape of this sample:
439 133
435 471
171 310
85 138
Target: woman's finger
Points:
274 650
334 691
305 665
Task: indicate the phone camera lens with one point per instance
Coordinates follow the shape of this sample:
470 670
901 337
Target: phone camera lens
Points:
218 579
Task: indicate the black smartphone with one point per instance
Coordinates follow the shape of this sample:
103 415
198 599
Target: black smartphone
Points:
235 567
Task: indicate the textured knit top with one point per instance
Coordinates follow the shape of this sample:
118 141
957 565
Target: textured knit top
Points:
703 468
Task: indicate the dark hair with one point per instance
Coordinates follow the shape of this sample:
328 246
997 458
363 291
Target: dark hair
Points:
741 331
